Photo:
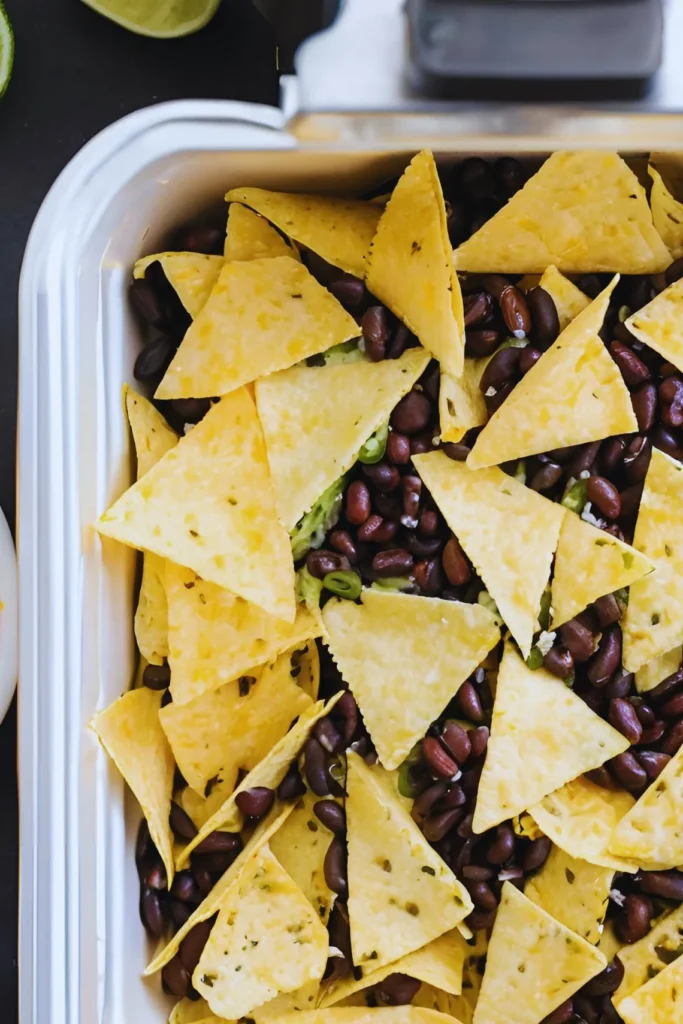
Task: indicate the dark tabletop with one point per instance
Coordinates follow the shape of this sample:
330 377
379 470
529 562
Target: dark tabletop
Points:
75 73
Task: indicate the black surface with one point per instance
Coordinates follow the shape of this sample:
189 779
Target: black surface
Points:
75 73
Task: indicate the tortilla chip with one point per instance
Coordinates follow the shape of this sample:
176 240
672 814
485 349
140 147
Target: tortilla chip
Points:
644 959
208 505
589 563
192 1011
306 668
659 669
211 903
152 435
595 401
339 230
572 891
234 726
463 1006
269 773
534 964
584 212
411 268
481 507
569 300
609 945
262 315
659 324
314 431
300 846
364 1015
581 817
130 732
461 403
542 736
653 623
652 831
268 932
667 214
401 893
251 237
214 636
201 808
192 275
405 658
658 1001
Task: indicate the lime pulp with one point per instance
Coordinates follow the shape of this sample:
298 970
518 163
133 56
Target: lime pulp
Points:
162 19
6 49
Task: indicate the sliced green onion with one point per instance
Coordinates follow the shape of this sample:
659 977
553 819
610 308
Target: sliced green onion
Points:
308 588
511 342
575 497
569 680
520 472
344 584
309 532
623 314
393 583
374 448
622 598
544 610
407 785
535 659
337 770
485 599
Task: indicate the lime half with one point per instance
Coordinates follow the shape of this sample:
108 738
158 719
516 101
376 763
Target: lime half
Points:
6 49
162 19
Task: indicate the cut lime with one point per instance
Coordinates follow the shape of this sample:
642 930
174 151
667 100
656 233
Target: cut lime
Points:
6 49
162 19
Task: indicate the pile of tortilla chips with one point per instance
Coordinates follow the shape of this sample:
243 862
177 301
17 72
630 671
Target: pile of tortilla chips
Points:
213 513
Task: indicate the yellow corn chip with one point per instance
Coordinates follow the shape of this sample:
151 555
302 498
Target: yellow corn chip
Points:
533 965
339 230
659 324
316 418
152 435
572 891
644 959
651 833
461 403
667 214
252 237
529 281
508 531
192 1011
589 563
300 846
201 808
569 300
411 267
658 1001
303 998
268 932
212 902
130 732
214 636
364 1015
192 274
463 1006
542 736
583 212
653 623
401 893
609 945
595 401
269 773
208 504
234 726
659 669
306 668
405 658
262 315
581 817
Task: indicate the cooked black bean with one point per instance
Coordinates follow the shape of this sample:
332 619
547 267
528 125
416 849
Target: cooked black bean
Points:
179 912
217 863
376 329
644 402
561 1015
529 358
429 576
421 443
469 780
315 763
395 562
428 524
482 895
607 610
332 815
667 441
412 489
454 797
673 739
672 708
347 709
320 563
201 238
477 873
633 370
423 803
672 415
455 563
674 271
479 739
292 786
350 291
202 876
628 772
480 920
667 884
190 410
623 717
604 496
358 504
439 824
181 823
398 448
166 698
255 802
545 323
586 1009
381 475
376 530
601 777
412 414
494 402
611 452
397 989
559 661
176 978
630 500
578 639
653 733
502 847
424 547
634 921
401 339
192 946
510 174
607 981
469 701
671 388
143 847
157 677
496 284
342 541
328 736
605 663
664 690
583 458
151 912
183 888
478 308
476 178
482 342
546 476
146 301
334 868
220 842
457 740
646 715
439 761
155 877
515 310
501 368
536 854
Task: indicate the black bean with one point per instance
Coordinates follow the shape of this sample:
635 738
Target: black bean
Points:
623 717
664 690
611 452
510 174
347 709
143 847
630 500
586 1009
395 562
439 761
672 415
546 476
147 303
220 842
607 610
350 291
401 340
157 677
529 358
292 786
202 876
494 402
479 739
562 1014
201 238
605 663
423 803
457 741
537 853
376 530
181 823
673 739
477 873
559 661
578 639
398 448
476 179
634 921
502 847
376 330
412 489
342 541
179 912
482 342
320 563
151 912
479 920
424 547
482 895
633 370
454 797
381 475
192 946
176 978
255 802
674 271
412 414
428 524
628 772
439 824
515 310
397 990
332 815
607 981
316 767
190 410
217 863
500 369
545 323
672 708
666 884
646 715
644 402
604 496
590 285
455 563
653 733
429 577
601 777
156 877
667 441
334 868
183 888
421 443
478 308
670 389
470 703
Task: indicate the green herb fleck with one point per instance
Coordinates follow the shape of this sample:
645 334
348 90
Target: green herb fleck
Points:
570 876
427 870
654 621
413 909
627 559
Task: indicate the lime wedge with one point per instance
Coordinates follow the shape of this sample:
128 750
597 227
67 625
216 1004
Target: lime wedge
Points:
162 19
6 49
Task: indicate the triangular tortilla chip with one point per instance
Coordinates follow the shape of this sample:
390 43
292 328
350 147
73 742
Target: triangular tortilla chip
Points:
262 316
652 831
609 944
339 230
405 658
439 963
461 403
569 300
306 668
653 623
130 732
314 433
268 773
401 893
192 274
533 964
193 1011
649 956
659 324
209 906
572 891
411 266
508 531
252 237
581 817
201 808
584 212
659 669
234 726
595 401
542 736
667 214
659 1001
364 1015
301 846
214 636
152 435
266 931
208 504
589 563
